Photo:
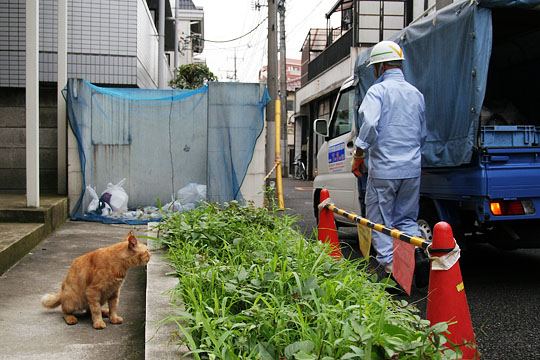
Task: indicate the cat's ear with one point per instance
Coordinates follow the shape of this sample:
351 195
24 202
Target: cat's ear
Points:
132 240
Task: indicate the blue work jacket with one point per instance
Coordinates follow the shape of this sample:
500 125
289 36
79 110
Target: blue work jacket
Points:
392 127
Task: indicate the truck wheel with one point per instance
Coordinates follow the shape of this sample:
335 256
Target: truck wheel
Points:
426 231
427 218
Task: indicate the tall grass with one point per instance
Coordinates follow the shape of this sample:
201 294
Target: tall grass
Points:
254 288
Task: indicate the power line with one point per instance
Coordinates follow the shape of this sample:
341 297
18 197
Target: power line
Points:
305 19
239 37
252 37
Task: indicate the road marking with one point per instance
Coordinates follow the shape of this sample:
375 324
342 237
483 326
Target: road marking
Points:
302 189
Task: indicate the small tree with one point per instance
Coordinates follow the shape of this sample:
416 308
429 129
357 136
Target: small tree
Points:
192 76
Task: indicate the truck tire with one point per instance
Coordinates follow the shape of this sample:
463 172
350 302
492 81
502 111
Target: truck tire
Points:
427 218
426 229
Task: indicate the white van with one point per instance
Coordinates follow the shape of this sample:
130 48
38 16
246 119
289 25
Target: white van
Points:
335 155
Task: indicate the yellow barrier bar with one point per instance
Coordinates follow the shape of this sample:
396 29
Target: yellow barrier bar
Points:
394 233
279 182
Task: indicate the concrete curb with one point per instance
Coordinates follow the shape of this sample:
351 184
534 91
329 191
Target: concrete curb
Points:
159 341
39 223
29 237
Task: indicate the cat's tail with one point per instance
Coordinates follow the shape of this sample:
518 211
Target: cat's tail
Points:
51 300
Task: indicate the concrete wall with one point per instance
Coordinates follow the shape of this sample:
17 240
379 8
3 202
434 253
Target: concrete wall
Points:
13 141
133 143
253 186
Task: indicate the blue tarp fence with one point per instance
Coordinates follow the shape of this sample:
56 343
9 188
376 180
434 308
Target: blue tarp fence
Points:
162 140
447 57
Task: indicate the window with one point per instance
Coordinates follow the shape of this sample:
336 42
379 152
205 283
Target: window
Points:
290 105
344 115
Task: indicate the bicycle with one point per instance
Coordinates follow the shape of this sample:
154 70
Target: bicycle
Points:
299 168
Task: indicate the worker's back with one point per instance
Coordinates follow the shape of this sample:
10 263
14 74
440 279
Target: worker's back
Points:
396 154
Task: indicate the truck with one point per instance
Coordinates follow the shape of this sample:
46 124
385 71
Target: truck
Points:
476 65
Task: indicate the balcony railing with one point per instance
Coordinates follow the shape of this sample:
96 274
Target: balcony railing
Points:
338 50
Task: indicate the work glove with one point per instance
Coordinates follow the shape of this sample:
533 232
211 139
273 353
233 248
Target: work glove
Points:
357 165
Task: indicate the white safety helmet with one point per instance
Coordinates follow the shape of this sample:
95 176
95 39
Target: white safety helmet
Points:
385 51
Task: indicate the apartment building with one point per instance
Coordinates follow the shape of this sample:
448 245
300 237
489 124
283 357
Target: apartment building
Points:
190 34
110 42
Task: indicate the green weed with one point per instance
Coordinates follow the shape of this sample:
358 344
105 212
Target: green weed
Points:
254 288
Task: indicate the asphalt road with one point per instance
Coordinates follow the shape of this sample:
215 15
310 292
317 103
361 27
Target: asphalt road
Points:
502 287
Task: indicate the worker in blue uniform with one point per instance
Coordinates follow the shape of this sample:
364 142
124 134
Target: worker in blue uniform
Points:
392 130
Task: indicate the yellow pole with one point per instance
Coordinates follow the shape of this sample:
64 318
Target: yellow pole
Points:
279 183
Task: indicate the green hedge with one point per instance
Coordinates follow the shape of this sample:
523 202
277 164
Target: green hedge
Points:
254 288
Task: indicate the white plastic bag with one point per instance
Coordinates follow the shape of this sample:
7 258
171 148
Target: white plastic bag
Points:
94 203
191 194
173 206
116 197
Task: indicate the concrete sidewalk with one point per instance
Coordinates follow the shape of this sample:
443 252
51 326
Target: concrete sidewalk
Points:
29 331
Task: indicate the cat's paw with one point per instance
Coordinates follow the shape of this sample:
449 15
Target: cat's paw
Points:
70 319
99 324
116 320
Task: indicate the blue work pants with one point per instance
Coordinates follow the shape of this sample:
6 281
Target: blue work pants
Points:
394 203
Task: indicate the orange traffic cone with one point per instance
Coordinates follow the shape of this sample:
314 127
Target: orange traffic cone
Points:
326 230
446 295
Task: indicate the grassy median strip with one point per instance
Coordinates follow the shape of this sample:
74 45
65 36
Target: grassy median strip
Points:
254 288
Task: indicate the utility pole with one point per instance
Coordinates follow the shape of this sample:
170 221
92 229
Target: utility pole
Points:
272 86
62 45
235 73
161 44
234 76
283 86
32 103
176 54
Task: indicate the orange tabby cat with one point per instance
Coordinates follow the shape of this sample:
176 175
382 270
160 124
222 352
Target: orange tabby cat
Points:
95 278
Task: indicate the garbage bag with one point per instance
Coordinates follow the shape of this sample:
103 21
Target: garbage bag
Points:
116 197
94 203
191 194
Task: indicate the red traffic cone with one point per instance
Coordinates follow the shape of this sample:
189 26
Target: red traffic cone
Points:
326 230
446 296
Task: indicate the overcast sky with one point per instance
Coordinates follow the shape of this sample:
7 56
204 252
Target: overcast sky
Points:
224 20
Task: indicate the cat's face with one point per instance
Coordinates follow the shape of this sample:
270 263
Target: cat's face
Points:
138 251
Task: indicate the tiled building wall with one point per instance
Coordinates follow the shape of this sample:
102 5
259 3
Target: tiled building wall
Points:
12 42
102 41
105 46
